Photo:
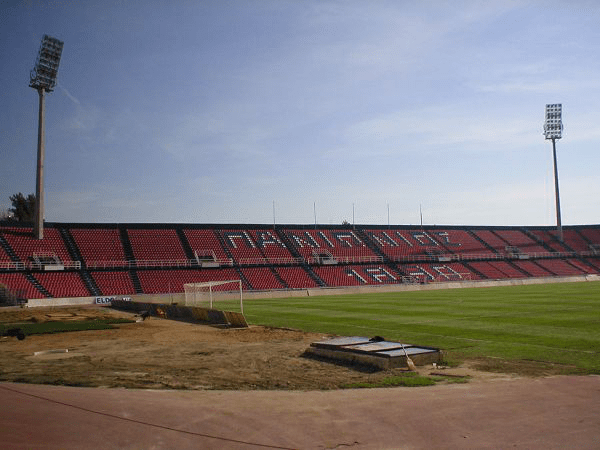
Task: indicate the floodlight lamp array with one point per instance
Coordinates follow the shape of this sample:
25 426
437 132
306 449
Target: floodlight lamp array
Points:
43 75
553 125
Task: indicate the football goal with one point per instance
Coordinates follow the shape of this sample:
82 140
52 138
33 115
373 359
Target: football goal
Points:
205 294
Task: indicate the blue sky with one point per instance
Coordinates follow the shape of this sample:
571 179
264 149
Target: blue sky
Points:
258 111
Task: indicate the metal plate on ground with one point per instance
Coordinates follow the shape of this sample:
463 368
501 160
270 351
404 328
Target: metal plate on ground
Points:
410 351
378 346
376 352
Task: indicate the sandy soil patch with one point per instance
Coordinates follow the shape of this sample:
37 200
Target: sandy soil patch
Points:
159 353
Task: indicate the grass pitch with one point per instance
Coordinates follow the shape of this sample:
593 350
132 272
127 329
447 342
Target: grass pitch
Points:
550 327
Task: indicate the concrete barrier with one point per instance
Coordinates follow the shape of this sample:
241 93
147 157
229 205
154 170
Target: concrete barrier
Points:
178 312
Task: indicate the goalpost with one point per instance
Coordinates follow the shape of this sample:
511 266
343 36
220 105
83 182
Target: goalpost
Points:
198 293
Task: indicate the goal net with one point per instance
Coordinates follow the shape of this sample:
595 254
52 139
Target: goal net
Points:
207 293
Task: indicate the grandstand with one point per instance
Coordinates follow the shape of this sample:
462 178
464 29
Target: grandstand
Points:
79 260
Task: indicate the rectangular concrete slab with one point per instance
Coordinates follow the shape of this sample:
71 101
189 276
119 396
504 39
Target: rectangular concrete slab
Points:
379 353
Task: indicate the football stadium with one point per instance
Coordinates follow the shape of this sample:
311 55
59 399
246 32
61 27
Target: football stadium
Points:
501 304
166 333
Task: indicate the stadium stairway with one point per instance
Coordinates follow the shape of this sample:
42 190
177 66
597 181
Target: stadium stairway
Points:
223 245
369 243
377 251
8 249
90 284
537 240
485 244
137 284
311 273
278 277
38 285
75 254
187 248
245 281
127 248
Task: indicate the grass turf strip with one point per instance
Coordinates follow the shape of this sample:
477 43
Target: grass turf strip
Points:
550 323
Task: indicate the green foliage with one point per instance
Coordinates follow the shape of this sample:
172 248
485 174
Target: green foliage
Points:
554 325
409 379
60 327
23 207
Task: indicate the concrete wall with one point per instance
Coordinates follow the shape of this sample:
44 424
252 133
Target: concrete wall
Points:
179 298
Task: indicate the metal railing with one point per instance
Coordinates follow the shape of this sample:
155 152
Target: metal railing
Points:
313 260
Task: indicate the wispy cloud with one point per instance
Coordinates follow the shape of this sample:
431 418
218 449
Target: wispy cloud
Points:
435 129
68 94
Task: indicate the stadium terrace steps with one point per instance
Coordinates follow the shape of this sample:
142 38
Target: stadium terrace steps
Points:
123 259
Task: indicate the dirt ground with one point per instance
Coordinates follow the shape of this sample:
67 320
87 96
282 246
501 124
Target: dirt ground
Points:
159 353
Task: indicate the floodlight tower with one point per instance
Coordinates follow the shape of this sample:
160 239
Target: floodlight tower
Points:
553 130
43 79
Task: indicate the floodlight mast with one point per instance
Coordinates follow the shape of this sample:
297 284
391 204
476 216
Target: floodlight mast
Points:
43 79
553 130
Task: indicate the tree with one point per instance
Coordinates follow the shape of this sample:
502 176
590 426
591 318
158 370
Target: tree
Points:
23 208
5 214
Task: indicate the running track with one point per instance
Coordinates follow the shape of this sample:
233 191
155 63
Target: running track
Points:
543 413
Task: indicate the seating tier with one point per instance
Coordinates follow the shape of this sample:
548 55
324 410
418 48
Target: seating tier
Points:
24 245
261 278
166 281
19 284
559 267
113 282
400 244
63 284
356 275
575 241
156 245
440 272
338 243
202 240
524 243
495 242
254 246
98 244
532 268
296 277
550 239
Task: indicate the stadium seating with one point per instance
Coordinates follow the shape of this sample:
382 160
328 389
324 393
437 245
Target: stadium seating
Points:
573 239
25 246
63 284
437 272
296 277
549 239
560 267
250 246
461 242
168 281
516 238
99 245
121 259
492 240
496 270
205 241
343 245
113 282
533 269
156 245
20 285
261 278
356 275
